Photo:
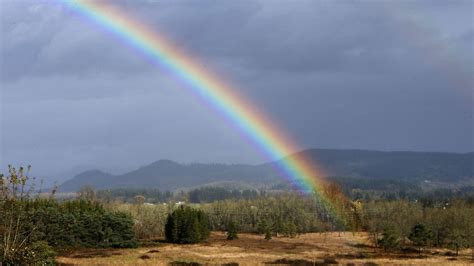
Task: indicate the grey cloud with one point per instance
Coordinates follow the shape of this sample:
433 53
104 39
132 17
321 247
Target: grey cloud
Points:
262 35
374 75
45 39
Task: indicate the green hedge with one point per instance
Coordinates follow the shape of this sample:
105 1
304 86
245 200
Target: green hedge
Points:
77 224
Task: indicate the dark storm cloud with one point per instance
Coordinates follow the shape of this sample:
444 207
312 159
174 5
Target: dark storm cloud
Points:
371 74
46 40
267 35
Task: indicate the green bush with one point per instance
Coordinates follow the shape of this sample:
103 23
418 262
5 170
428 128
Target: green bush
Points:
40 253
420 235
74 224
36 253
268 234
389 239
457 239
231 231
289 229
186 225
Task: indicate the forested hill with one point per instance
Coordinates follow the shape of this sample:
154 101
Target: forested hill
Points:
169 175
439 166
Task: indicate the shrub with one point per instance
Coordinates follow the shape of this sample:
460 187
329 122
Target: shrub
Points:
289 229
80 223
268 234
457 239
265 228
37 253
420 235
186 225
231 231
389 239
40 253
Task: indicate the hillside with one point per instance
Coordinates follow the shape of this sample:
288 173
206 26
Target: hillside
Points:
438 166
375 165
169 175
94 178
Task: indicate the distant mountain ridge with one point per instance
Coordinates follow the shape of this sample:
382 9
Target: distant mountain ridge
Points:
440 166
170 175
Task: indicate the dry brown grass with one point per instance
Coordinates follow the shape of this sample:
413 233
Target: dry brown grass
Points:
309 249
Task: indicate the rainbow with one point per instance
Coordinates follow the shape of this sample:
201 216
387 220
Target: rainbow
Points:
220 96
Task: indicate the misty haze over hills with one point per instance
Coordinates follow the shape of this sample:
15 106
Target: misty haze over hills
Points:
454 168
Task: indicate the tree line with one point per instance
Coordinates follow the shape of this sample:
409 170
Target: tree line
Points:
154 195
360 189
392 225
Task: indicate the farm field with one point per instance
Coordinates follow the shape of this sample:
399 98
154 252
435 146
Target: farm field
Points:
343 248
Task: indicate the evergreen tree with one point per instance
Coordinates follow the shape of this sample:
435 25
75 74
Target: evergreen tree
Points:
231 231
389 239
204 225
420 235
457 239
268 233
289 229
171 228
262 226
186 225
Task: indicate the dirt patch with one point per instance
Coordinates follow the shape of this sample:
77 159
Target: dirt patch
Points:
153 251
145 257
94 253
357 255
183 263
292 262
252 249
299 262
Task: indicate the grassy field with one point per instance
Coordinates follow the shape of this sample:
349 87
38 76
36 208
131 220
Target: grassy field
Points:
309 249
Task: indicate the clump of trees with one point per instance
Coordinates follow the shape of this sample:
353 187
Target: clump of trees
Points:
149 219
32 227
283 214
78 223
210 194
152 195
287 214
391 224
186 225
446 225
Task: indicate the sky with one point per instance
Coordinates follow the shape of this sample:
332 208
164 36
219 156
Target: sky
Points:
379 75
